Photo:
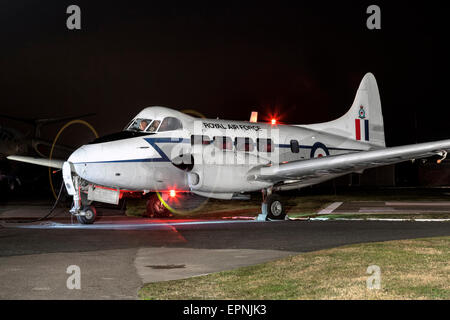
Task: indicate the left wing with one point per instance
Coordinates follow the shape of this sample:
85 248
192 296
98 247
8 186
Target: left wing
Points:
304 170
52 163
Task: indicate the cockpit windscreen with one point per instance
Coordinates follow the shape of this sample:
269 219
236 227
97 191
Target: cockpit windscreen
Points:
147 125
139 125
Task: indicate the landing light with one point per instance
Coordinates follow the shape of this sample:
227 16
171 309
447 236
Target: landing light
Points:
273 121
172 193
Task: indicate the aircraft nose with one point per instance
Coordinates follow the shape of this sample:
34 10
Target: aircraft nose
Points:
78 155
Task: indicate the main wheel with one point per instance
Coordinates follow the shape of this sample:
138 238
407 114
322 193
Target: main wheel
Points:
156 209
275 208
89 216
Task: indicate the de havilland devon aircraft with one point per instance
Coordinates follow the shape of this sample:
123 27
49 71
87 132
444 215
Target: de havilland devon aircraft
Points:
169 151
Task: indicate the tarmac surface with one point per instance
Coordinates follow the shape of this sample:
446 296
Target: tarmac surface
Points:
118 254
392 207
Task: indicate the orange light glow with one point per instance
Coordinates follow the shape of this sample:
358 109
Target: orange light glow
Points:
172 193
254 116
273 121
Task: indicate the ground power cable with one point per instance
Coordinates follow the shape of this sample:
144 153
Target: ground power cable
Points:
41 218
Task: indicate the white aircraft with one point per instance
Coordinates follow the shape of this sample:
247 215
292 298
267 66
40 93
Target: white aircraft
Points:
169 151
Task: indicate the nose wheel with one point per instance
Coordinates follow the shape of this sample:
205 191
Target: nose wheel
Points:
88 215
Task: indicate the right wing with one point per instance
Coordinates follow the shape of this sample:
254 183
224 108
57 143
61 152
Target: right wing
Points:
52 163
312 169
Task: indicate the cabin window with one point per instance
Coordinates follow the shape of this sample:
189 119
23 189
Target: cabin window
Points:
139 124
170 124
264 145
295 148
198 139
244 144
223 143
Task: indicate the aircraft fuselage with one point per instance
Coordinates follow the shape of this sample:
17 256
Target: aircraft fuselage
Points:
222 151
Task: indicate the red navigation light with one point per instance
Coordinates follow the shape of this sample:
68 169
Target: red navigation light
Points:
172 193
273 121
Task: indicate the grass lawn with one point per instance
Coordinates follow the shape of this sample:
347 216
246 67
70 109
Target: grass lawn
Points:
410 269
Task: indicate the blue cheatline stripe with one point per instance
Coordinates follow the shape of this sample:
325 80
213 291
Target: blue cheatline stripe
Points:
366 128
131 160
152 142
165 158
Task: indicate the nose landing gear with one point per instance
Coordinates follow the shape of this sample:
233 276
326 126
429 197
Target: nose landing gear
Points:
87 215
82 207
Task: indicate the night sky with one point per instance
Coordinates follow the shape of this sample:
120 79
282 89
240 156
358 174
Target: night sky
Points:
223 59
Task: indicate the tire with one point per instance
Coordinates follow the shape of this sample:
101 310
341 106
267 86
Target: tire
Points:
275 208
156 209
90 216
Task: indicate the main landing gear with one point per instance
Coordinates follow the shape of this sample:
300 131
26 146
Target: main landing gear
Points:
272 207
155 208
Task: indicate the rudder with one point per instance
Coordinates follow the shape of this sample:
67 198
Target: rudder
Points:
366 113
364 120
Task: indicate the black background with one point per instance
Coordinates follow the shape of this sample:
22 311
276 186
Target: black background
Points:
300 60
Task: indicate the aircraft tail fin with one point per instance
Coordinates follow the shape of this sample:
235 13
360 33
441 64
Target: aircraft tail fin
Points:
254 116
364 120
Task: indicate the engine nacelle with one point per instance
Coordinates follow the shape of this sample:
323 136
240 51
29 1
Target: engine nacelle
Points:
224 172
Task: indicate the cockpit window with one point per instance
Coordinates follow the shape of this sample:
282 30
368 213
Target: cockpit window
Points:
154 126
170 124
139 125
147 125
